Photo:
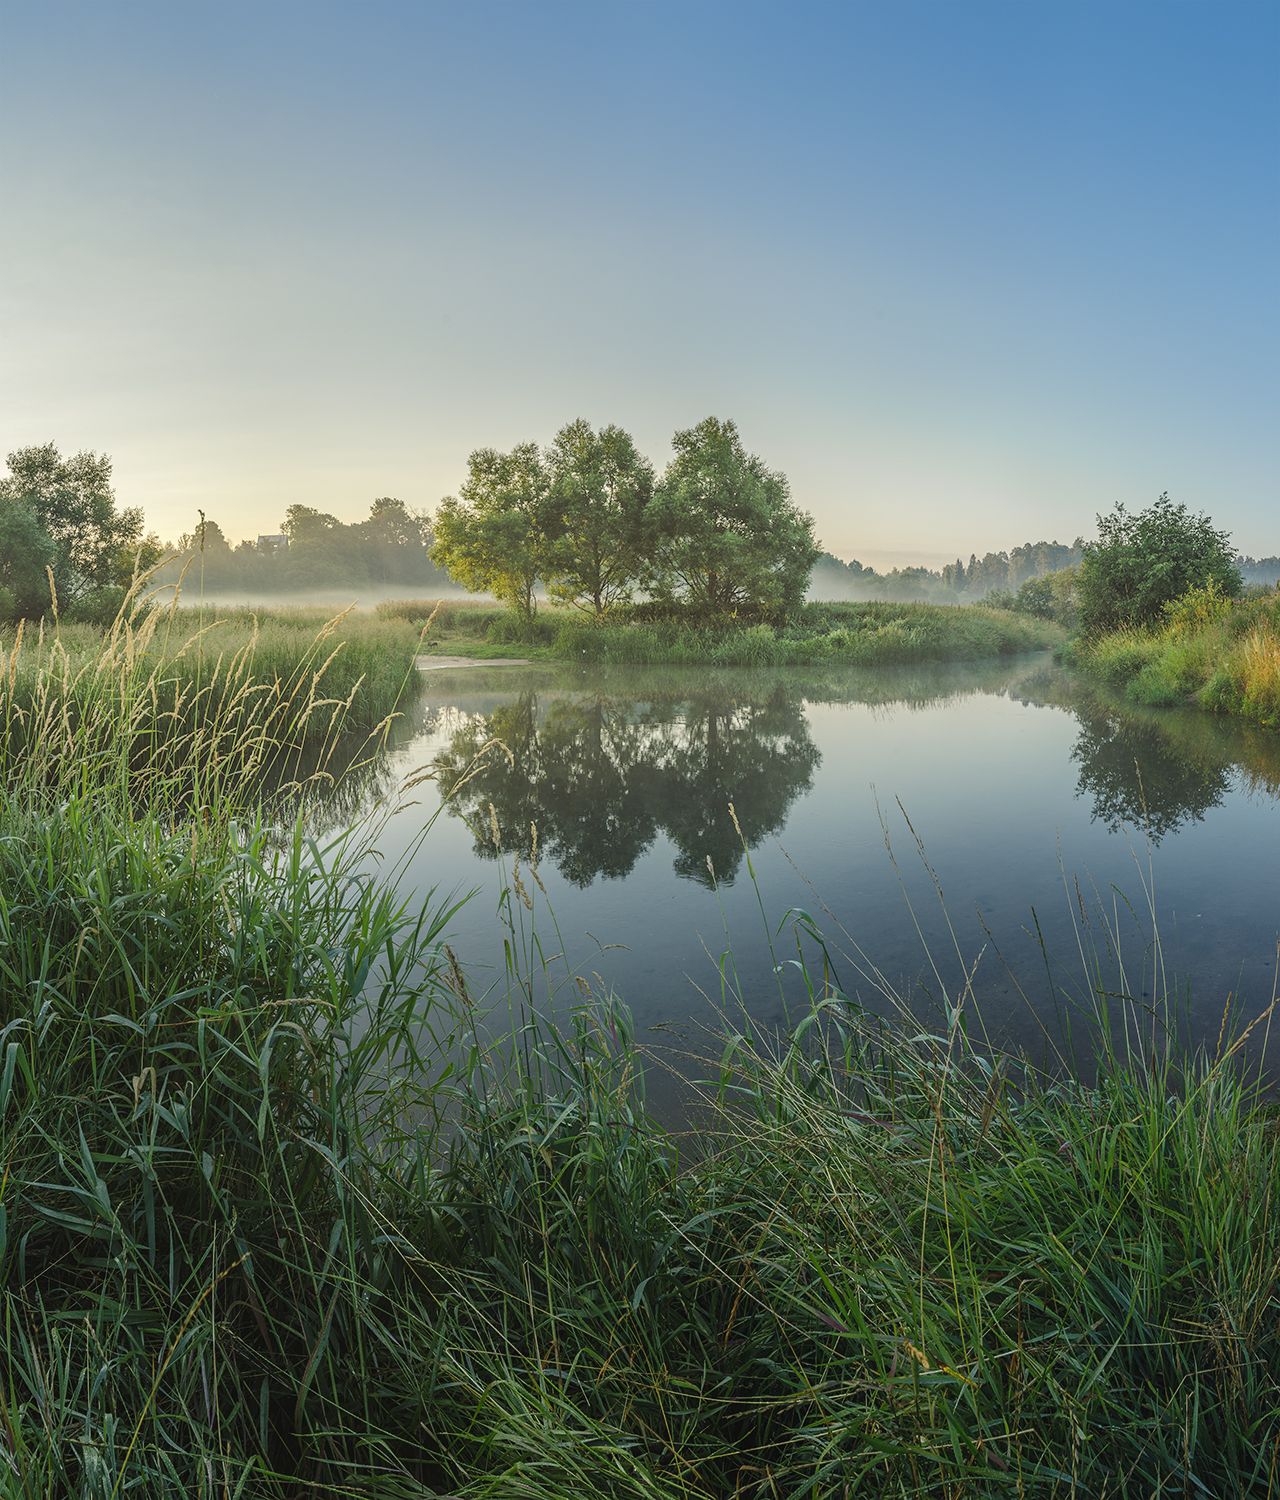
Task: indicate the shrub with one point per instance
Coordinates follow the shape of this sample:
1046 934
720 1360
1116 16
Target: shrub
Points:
1141 563
1199 607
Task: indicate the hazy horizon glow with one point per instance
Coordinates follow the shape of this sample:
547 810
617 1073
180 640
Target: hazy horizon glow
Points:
968 275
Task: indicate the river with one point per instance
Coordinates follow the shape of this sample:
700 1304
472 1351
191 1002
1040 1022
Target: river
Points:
1002 835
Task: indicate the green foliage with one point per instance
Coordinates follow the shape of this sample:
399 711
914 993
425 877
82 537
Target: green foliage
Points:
26 551
496 534
391 546
728 535
602 542
719 534
1197 609
862 634
1141 563
95 544
992 578
239 699
1213 650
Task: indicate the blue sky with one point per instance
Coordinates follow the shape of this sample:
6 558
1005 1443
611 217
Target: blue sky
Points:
968 273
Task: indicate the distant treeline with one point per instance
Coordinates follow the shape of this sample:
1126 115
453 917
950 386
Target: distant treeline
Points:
994 572
314 550
59 519
392 547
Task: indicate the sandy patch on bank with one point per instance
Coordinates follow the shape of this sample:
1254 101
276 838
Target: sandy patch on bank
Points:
438 663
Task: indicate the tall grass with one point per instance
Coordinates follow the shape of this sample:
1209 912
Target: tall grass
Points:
1218 654
276 1222
857 634
233 699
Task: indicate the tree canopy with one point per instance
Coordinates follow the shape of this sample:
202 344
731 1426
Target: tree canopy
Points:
585 520
601 546
95 544
26 552
729 535
1142 562
495 534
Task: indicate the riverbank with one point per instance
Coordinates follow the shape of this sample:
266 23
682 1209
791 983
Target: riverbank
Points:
1215 654
859 634
275 1220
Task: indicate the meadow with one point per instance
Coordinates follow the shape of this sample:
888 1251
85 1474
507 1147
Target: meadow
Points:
277 1221
1219 654
858 634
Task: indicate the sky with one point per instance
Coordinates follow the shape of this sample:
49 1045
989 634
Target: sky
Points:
967 273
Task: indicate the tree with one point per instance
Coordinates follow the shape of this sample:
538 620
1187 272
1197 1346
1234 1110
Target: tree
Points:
209 553
495 534
208 537
306 526
601 486
26 551
319 549
74 502
1140 563
729 536
396 543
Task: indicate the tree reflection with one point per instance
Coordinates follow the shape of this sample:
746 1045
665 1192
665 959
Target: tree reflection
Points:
601 776
1136 777
1156 769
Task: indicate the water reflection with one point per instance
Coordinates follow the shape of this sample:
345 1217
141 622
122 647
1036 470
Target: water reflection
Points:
605 766
601 776
1155 770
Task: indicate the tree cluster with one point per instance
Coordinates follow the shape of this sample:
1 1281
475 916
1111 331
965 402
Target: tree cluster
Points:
63 539
390 548
588 520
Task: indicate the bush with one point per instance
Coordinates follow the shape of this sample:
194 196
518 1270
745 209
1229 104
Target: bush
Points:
1141 563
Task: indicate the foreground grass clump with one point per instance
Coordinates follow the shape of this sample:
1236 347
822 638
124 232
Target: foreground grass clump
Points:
891 1273
273 1226
858 634
239 1256
1223 655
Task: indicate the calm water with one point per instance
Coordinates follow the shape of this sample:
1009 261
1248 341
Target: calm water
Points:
1053 819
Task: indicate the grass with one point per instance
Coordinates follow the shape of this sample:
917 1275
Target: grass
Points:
1219 655
231 696
276 1222
859 634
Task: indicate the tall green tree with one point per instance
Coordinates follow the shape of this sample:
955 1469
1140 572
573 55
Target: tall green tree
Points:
729 536
602 544
495 534
1142 562
26 551
74 502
